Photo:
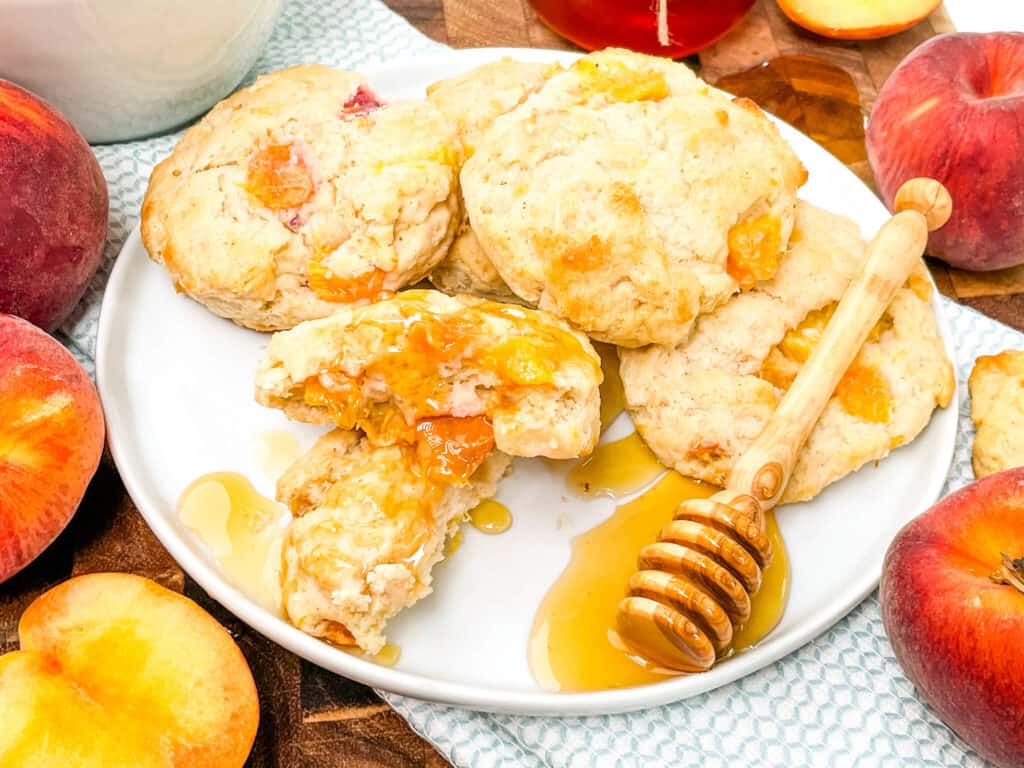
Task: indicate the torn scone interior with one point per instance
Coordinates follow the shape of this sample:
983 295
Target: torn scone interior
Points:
444 373
370 524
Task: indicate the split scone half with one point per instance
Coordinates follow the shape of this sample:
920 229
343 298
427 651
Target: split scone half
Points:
997 409
700 405
473 101
370 524
628 196
436 370
303 193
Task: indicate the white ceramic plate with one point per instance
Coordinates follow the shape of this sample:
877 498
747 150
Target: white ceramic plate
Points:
177 386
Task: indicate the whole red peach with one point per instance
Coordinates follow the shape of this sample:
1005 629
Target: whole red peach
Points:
51 440
53 210
954 110
953 606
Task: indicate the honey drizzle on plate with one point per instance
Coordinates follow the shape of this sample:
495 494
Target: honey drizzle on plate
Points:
572 643
243 530
613 396
490 516
614 469
276 450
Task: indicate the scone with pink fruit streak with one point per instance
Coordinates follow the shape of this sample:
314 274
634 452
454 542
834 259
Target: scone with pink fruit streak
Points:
303 193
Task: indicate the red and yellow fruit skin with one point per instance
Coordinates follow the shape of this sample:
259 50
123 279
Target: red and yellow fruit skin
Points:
51 440
53 210
958 635
953 110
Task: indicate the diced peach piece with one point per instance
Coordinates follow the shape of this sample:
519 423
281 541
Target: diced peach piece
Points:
451 449
278 177
864 393
755 249
331 287
857 19
116 671
51 441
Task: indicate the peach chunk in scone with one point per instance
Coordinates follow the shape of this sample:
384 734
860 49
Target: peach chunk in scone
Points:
301 193
116 671
433 371
370 524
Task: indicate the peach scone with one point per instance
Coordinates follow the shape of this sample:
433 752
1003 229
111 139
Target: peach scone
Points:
303 193
426 368
472 101
628 196
370 524
700 405
997 409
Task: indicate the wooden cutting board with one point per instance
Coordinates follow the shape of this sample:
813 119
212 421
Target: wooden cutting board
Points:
313 718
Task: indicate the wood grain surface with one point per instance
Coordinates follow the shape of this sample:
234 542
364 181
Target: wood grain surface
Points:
313 718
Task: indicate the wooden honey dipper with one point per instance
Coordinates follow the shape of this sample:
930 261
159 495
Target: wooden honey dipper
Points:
694 585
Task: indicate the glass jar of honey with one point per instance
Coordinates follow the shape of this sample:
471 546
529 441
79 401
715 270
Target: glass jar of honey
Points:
671 28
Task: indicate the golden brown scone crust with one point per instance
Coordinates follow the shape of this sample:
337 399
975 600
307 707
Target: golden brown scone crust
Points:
997 408
380 211
617 195
472 101
422 354
368 529
701 404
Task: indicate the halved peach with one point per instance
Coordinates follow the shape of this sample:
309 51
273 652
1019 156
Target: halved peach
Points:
857 19
51 440
116 671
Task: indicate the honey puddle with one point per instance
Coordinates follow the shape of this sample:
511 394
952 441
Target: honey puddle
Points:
276 450
614 469
387 656
242 528
490 516
454 542
613 397
571 643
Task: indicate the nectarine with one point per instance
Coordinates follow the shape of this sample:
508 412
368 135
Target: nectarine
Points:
115 671
953 605
51 440
953 110
53 210
857 19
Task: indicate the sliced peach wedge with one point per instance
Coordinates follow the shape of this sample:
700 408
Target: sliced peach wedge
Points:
116 671
857 19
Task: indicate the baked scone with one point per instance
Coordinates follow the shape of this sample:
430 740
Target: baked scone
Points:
472 101
369 526
627 196
996 385
701 404
422 367
303 193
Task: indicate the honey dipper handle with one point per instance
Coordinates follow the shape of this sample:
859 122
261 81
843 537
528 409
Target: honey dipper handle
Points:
764 469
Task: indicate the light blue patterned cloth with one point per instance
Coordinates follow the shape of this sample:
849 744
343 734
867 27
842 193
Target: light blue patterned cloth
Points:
839 701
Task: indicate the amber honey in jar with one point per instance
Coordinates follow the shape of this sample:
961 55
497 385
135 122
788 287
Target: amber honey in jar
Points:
671 28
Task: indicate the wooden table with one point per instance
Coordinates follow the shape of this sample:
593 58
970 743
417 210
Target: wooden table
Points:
311 717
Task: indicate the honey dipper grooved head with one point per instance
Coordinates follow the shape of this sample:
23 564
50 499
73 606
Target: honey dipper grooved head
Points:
928 197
